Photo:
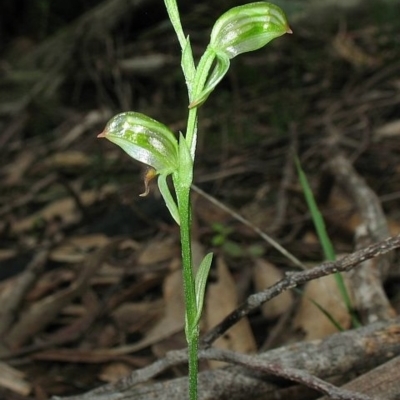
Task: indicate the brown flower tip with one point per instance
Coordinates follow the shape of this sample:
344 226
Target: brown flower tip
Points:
148 176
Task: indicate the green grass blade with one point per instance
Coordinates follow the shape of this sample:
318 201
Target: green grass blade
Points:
324 239
318 221
327 315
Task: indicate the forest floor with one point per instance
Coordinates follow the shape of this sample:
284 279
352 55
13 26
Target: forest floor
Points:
91 286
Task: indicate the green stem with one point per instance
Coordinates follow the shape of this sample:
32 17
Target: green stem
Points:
184 205
183 197
193 345
191 328
202 73
173 13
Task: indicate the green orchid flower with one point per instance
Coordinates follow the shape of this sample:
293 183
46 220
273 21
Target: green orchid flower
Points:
247 28
144 139
150 142
241 29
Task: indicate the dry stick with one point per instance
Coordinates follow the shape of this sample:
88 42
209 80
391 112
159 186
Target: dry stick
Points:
244 221
287 179
290 281
383 381
294 279
292 374
337 355
367 280
367 202
26 198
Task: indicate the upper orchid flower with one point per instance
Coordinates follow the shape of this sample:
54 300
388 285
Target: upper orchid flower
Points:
248 27
241 29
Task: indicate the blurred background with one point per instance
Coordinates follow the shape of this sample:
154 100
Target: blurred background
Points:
102 256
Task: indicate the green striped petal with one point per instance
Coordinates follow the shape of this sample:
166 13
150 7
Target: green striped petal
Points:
248 27
144 139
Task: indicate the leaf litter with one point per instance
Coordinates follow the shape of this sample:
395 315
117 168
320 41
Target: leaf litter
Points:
91 284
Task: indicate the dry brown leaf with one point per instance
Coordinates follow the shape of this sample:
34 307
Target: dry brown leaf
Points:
41 313
388 130
12 379
67 159
137 317
221 299
16 170
177 340
394 227
209 212
265 275
50 282
158 250
310 319
169 325
341 212
115 371
75 248
172 321
92 118
7 253
64 208
257 211
347 49
309 238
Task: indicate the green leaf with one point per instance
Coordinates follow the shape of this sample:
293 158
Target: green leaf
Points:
220 69
248 27
185 171
200 283
187 64
173 14
169 200
144 139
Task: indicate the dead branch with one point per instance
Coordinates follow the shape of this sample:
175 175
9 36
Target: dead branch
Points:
367 280
366 200
382 382
341 354
294 279
292 374
271 241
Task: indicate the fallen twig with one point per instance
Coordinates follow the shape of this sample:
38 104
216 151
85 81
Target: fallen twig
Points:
292 374
337 355
367 280
294 279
